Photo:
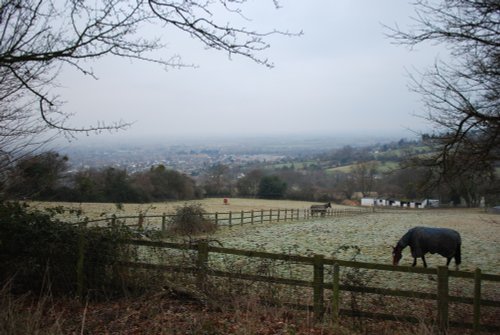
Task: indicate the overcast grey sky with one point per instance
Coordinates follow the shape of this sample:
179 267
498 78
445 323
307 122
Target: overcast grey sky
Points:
342 76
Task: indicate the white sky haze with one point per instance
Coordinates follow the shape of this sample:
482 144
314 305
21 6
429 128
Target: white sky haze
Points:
341 76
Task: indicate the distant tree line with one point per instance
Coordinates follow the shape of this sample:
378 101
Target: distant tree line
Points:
46 177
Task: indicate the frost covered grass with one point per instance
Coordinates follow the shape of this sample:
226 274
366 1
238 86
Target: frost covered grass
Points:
368 238
374 234
210 205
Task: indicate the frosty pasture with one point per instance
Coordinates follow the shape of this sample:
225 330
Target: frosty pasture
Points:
373 234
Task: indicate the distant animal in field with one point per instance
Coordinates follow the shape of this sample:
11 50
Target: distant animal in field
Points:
444 241
320 209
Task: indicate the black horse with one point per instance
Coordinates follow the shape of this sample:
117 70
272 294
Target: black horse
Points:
320 209
446 242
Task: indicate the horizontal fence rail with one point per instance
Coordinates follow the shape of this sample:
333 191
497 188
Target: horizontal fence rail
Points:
318 262
229 218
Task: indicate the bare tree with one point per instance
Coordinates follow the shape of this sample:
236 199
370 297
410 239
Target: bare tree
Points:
363 176
462 96
39 37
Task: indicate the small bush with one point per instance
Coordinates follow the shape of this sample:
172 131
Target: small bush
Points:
191 219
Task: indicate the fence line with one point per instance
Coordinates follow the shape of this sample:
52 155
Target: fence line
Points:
318 284
231 218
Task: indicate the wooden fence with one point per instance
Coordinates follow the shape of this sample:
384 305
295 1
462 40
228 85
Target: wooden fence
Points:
231 218
202 270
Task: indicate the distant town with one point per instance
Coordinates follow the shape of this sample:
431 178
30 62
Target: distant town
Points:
194 156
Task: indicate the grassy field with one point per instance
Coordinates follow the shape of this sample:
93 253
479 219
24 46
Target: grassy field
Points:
383 167
372 233
365 237
211 205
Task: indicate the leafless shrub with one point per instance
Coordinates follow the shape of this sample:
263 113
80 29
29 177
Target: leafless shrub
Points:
191 219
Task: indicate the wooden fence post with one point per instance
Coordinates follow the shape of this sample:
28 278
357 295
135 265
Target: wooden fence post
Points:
230 218
163 222
80 265
336 294
202 265
279 210
477 301
242 216
270 215
141 220
442 298
251 220
216 218
261 216
318 299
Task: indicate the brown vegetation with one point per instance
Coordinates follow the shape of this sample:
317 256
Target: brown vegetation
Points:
168 313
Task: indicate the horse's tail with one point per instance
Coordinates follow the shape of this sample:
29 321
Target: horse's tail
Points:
458 255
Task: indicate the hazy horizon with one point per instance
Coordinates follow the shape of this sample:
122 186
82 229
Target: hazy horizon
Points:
228 139
343 76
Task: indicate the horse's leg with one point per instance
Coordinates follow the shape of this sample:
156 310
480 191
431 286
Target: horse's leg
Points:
448 260
423 260
414 261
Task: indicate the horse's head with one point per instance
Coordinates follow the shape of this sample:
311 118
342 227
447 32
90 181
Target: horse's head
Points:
396 255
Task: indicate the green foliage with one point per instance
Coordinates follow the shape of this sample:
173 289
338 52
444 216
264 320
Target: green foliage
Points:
191 219
36 249
272 187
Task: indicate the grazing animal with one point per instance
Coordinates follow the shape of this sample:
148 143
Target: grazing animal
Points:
320 209
444 241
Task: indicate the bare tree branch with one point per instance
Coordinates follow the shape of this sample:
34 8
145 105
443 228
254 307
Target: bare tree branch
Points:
38 37
462 95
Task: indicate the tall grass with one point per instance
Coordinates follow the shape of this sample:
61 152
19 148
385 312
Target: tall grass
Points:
25 314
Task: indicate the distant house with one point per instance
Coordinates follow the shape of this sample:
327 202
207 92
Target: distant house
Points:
361 195
372 202
367 202
393 203
432 203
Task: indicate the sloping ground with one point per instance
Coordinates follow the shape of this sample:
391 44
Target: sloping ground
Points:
374 234
369 237
332 237
211 205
